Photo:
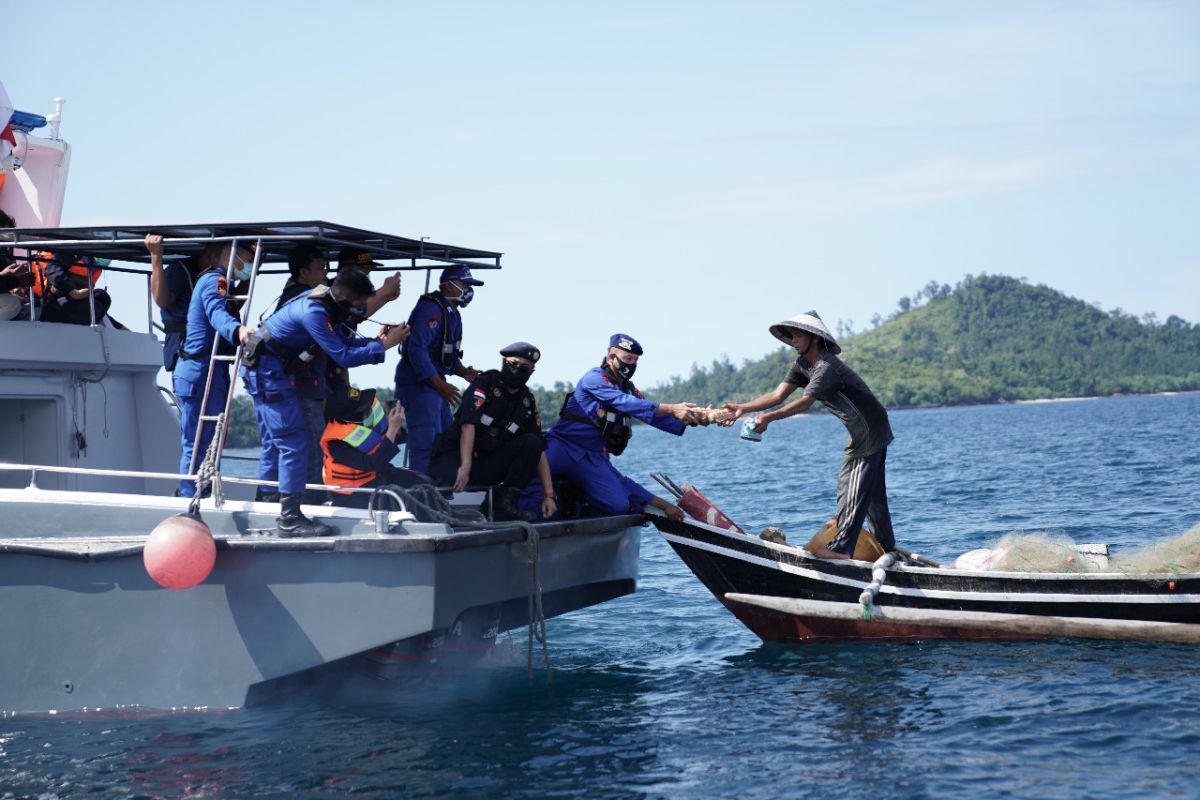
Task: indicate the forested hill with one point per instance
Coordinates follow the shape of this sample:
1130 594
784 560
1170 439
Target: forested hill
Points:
991 338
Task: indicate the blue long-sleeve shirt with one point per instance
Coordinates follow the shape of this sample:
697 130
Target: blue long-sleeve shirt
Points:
208 313
296 327
594 396
421 355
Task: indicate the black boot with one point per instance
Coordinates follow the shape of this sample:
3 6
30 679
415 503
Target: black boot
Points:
292 523
265 494
507 508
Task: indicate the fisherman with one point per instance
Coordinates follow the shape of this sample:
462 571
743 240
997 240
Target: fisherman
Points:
359 444
171 289
281 352
496 438
825 377
208 314
433 353
595 422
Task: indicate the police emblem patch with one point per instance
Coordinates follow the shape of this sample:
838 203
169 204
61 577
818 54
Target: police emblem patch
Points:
496 392
222 286
525 401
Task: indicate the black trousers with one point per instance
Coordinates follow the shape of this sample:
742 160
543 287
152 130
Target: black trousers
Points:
512 466
862 494
77 312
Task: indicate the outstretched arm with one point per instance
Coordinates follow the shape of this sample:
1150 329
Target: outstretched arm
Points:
790 410
771 398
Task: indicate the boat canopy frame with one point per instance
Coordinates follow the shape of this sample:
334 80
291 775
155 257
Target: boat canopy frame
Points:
276 239
272 242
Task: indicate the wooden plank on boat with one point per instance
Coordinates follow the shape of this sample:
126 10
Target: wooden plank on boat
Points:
1031 624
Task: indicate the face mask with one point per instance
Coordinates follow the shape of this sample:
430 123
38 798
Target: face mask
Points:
242 270
357 313
624 370
464 299
514 376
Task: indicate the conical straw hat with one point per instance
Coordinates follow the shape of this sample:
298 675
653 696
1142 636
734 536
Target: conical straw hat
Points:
810 322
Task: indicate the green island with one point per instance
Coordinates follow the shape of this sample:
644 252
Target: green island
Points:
988 339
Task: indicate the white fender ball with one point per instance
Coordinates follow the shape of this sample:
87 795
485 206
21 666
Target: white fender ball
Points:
180 552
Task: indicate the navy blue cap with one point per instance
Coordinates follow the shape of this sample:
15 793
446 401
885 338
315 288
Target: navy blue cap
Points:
522 350
460 274
623 341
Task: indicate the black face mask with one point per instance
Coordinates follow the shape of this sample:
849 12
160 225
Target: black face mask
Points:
513 377
624 370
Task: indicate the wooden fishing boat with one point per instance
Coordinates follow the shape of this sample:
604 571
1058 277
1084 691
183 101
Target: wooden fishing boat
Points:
783 593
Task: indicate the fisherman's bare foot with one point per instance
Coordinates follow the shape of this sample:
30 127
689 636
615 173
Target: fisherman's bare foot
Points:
825 552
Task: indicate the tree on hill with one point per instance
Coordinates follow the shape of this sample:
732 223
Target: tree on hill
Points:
991 338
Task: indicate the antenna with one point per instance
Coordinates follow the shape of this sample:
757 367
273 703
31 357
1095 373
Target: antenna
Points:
55 119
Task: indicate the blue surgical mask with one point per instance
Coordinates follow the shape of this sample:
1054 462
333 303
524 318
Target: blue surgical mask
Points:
464 299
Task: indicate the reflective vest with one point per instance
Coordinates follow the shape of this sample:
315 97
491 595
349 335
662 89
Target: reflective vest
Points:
365 438
82 269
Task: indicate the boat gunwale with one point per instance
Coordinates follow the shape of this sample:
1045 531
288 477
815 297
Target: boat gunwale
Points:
839 567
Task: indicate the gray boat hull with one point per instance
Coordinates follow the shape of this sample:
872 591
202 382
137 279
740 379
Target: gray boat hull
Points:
85 627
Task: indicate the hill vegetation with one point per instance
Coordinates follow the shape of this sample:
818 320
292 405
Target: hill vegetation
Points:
989 339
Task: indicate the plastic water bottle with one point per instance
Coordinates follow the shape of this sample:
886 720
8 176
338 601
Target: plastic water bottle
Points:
748 432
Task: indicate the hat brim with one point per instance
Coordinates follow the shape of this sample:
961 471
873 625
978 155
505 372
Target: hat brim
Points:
470 281
783 332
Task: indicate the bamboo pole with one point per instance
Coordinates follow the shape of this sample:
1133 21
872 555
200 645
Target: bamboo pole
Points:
1031 624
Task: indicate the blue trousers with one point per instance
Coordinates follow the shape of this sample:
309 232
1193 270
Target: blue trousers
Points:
281 424
605 489
427 415
190 396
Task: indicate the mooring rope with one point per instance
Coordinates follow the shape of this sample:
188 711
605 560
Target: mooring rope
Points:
207 473
430 505
878 576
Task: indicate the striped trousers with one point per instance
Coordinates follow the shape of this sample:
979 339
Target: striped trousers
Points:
862 494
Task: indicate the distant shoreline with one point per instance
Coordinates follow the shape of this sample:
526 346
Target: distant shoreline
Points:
1045 400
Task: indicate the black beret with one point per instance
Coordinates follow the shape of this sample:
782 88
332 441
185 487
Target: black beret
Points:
522 350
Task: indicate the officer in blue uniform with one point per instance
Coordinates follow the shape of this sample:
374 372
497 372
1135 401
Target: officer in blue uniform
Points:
433 352
208 313
279 354
595 421
171 289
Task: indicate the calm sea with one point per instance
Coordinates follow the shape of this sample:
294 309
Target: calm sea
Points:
664 694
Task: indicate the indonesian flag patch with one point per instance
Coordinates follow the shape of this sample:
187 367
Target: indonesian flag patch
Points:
480 398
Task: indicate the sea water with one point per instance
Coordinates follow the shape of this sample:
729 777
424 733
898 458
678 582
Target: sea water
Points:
663 694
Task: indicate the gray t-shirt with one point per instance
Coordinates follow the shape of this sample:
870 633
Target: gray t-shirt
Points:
847 397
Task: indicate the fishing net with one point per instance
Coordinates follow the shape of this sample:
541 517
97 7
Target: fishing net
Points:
1175 555
1036 552
1050 552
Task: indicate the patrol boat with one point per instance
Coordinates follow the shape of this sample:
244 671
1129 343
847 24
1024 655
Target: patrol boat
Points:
89 455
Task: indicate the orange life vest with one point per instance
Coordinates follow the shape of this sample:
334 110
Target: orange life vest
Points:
82 268
364 437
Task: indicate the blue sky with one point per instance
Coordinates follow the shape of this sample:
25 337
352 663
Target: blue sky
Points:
687 173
